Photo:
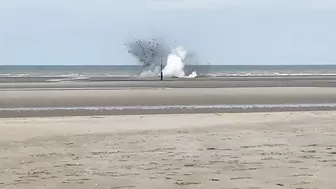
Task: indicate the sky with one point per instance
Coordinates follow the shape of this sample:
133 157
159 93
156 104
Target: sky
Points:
93 32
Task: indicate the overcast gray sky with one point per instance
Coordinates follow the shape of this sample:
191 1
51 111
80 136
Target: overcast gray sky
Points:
76 32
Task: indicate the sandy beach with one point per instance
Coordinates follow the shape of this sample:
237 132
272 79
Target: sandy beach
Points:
57 135
262 150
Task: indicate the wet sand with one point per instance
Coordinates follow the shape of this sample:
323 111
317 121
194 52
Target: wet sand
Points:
254 150
152 97
206 82
72 98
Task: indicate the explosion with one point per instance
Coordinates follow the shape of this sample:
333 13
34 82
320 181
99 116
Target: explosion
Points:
151 54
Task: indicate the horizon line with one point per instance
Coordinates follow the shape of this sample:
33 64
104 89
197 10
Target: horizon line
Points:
331 64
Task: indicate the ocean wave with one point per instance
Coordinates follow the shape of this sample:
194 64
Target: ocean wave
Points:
71 75
251 74
15 75
67 79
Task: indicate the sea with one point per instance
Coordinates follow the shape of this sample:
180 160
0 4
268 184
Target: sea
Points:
119 72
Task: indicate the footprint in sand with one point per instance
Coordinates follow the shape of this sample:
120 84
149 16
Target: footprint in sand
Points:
240 178
121 187
185 183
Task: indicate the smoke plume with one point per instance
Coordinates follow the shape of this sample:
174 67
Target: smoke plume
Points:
148 53
151 53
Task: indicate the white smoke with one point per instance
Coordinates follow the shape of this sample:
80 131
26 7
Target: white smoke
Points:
175 66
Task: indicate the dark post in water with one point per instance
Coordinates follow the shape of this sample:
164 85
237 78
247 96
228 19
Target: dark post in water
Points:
161 71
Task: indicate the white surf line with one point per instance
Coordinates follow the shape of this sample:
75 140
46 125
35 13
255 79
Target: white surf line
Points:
219 106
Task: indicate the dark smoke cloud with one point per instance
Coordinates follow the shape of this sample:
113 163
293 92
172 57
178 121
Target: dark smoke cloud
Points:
149 53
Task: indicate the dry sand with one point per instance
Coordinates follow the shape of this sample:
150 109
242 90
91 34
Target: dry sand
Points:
255 150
